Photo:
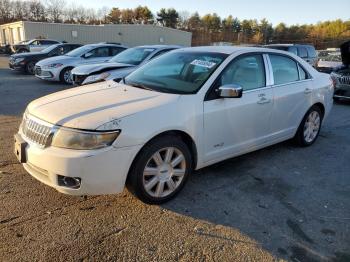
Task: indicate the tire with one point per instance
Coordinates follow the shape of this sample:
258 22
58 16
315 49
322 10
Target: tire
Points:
309 127
164 178
63 76
30 67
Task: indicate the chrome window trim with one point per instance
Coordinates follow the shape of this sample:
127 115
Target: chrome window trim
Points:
298 66
293 82
257 89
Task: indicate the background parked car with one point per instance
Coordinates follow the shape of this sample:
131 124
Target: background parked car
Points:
119 66
341 75
306 52
26 61
34 45
328 63
59 68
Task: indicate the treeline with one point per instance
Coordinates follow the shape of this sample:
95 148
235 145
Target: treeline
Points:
206 29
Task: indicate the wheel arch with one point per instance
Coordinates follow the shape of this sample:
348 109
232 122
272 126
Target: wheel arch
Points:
320 106
185 137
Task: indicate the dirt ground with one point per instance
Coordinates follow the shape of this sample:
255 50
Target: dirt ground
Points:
279 203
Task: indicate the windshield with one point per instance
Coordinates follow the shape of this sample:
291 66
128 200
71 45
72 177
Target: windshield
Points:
132 56
49 49
176 72
80 51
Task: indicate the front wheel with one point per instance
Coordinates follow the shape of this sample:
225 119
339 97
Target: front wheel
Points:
30 68
309 127
160 170
66 76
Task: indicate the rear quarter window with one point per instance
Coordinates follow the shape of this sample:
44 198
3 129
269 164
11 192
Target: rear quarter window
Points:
285 69
311 51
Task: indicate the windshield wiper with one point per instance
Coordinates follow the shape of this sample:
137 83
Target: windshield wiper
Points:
138 85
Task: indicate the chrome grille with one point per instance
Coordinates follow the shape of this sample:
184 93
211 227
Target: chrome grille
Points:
36 132
344 80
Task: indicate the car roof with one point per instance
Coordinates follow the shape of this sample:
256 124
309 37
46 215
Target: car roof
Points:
159 46
99 44
287 45
228 49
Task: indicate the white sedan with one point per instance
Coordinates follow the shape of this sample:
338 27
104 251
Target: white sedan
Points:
180 112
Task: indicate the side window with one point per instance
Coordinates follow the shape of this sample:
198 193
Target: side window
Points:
302 52
100 52
284 69
293 50
302 73
311 51
65 49
36 42
116 50
247 71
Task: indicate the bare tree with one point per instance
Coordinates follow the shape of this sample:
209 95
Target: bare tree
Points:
5 11
55 10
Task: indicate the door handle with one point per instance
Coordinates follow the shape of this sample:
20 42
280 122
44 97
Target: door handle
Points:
307 90
263 100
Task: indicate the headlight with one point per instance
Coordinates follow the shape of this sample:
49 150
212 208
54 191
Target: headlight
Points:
56 65
18 60
96 78
83 140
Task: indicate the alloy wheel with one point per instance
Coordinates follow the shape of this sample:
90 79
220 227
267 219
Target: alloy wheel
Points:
164 172
67 76
312 126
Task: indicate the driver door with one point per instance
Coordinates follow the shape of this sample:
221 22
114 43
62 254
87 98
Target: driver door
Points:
236 125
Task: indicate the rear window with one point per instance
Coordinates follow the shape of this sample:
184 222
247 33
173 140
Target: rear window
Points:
302 52
311 51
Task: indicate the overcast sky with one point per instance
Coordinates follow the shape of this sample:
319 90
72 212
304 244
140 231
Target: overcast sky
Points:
288 11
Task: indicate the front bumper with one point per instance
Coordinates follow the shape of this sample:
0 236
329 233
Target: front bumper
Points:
102 171
78 79
342 91
45 74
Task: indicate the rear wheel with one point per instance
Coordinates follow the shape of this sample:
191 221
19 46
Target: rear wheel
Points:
66 76
30 68
309 127
160 170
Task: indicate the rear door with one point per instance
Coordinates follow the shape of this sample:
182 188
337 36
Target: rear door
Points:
236 125
292 90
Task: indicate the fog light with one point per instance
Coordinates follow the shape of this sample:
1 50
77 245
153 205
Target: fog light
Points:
70 182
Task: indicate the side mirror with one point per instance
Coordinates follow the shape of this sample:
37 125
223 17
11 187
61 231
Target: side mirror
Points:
230 91
87 55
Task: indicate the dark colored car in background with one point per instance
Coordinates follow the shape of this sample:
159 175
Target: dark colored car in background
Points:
34 45
26 61
306 52
341 75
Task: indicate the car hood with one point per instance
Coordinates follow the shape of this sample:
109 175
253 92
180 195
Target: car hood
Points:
89 107
95 68
29 54
345 53
63 59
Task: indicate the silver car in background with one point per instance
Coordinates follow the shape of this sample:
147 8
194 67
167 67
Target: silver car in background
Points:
119 66
59 68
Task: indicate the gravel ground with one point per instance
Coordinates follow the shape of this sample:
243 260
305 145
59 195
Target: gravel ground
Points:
279 203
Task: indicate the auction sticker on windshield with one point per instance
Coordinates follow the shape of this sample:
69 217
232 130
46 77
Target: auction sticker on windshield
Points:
202 63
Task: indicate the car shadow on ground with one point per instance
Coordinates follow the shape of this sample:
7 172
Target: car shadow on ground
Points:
265 195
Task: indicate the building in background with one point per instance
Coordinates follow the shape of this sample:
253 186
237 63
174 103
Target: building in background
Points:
126 34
